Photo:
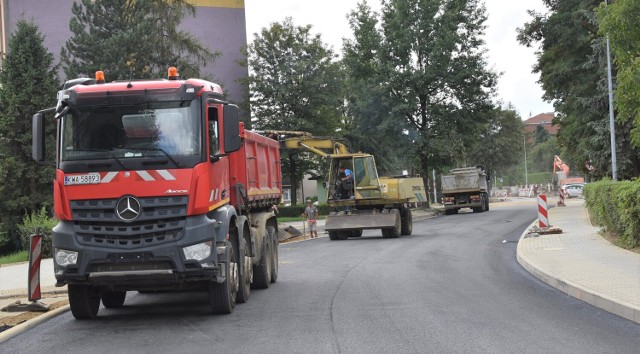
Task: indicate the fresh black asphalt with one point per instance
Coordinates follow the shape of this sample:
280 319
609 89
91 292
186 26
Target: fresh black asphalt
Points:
454 286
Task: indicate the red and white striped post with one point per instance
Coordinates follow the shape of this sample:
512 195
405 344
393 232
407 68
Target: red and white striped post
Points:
561 198
543 219
35 255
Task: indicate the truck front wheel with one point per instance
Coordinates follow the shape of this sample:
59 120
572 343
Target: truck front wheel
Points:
84 301
222 297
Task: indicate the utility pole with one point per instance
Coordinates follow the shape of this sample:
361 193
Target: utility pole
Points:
612 127
526 173
435 194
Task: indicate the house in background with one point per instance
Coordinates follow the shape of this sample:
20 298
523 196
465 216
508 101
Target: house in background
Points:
543 119
307 189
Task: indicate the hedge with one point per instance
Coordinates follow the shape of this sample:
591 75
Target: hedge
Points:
616 207
293 211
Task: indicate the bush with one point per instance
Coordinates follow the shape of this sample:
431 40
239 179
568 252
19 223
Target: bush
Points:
616 206
38 220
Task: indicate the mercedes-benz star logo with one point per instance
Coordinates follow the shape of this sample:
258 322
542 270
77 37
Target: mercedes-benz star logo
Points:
128 208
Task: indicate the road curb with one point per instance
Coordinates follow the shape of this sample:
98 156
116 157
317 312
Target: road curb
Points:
616 307
12 293
24 326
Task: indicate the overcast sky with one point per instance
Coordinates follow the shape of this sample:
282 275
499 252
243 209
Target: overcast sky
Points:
517 84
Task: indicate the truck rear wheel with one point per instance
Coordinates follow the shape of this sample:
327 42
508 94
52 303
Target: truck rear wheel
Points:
262 270
84 301
113 299
222 297
395 231
406 219
271 233
356 233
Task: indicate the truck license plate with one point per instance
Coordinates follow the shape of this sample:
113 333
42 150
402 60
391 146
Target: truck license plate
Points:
91 178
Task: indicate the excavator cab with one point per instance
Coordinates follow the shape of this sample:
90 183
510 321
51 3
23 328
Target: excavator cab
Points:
353 176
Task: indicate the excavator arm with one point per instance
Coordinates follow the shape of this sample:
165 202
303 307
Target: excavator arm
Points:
320 145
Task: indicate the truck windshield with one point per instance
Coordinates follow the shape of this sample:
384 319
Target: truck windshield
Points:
168 130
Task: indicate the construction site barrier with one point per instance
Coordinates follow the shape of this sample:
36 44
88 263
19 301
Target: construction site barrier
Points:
35 256
543 216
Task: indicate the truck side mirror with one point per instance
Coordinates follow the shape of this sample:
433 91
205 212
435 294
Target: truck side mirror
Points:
37 138
232 140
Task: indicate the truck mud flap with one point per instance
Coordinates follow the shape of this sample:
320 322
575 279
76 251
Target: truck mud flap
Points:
359 221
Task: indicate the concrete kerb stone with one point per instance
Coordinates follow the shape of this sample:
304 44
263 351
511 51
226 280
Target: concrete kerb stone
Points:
25 326
617 307
47 290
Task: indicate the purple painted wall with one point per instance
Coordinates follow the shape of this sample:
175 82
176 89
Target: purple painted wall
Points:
221 29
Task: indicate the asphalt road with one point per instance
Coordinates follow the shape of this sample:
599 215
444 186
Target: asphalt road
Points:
453 286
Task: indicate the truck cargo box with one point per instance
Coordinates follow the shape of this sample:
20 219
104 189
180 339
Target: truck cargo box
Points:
464 180
256 178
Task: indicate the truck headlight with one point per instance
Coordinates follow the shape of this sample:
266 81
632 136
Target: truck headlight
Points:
65 257
199 251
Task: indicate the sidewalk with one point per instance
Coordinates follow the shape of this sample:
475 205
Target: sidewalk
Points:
582 264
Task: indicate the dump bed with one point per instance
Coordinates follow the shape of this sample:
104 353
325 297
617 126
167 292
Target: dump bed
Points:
256 177
467 179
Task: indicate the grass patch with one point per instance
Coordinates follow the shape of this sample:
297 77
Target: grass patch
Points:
17 257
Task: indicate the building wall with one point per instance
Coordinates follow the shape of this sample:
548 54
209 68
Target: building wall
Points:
219 24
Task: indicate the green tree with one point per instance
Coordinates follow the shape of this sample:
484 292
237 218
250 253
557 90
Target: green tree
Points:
498 146
294 84
28 83
540 135
619 20
371 124
540 157
132 39
433 60
572 67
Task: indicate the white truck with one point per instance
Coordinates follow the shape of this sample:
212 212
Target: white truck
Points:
465 188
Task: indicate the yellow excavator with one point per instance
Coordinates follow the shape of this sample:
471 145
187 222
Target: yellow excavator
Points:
361 198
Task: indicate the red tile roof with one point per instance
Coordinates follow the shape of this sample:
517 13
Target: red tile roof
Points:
544 119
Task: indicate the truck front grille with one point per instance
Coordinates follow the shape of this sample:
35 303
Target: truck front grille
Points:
161 220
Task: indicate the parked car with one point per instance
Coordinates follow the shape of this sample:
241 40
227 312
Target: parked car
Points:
573 190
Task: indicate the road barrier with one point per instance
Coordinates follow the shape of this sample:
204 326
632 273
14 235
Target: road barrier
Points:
561 196
34 267
543 216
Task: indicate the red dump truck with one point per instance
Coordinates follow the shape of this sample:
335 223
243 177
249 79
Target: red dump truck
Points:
157 187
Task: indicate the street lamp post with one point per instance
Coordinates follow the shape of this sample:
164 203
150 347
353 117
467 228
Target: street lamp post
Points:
612 127
526 173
